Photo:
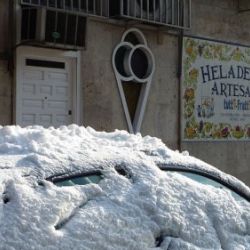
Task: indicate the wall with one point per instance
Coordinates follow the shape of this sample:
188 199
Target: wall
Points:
221 20
162 113
102 107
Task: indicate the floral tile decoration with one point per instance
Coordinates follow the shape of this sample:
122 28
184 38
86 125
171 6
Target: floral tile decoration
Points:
215 90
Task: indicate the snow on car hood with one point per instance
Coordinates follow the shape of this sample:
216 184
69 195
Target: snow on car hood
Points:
119 212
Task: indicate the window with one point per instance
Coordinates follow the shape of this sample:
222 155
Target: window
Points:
76 179
205 179
134 66
28 24
53 28
44 63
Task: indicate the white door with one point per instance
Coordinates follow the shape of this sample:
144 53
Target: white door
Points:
44 93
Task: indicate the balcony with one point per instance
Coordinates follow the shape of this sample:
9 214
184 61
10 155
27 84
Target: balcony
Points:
171 13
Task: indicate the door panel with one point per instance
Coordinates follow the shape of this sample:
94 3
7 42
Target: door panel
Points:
44 92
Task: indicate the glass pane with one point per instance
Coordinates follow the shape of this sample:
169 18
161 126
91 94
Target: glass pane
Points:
95 178
207 181
52 3
71 30
28 25
50 26
75 4
61 27
81 180
68 4
25 24
81 31
65 183
44 2
45 64
202 179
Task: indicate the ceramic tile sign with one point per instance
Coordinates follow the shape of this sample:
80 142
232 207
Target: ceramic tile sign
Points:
215 90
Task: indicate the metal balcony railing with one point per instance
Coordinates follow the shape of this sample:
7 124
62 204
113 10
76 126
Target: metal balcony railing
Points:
51 28
174 13
85 7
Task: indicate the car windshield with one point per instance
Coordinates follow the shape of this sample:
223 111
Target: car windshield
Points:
207 181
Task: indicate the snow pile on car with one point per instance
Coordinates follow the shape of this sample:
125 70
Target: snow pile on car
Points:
145 208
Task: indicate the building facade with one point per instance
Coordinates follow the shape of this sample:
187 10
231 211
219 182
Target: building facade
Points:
121 64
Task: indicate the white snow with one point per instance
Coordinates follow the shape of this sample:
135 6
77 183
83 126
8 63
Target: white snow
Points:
118 213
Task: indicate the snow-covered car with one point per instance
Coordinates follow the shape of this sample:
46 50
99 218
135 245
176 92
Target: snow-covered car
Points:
75 188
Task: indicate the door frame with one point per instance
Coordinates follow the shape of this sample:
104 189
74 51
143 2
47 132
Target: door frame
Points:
54 54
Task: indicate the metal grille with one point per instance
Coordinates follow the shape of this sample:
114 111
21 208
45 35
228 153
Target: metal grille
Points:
53 28
174 13
81 7
65 28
